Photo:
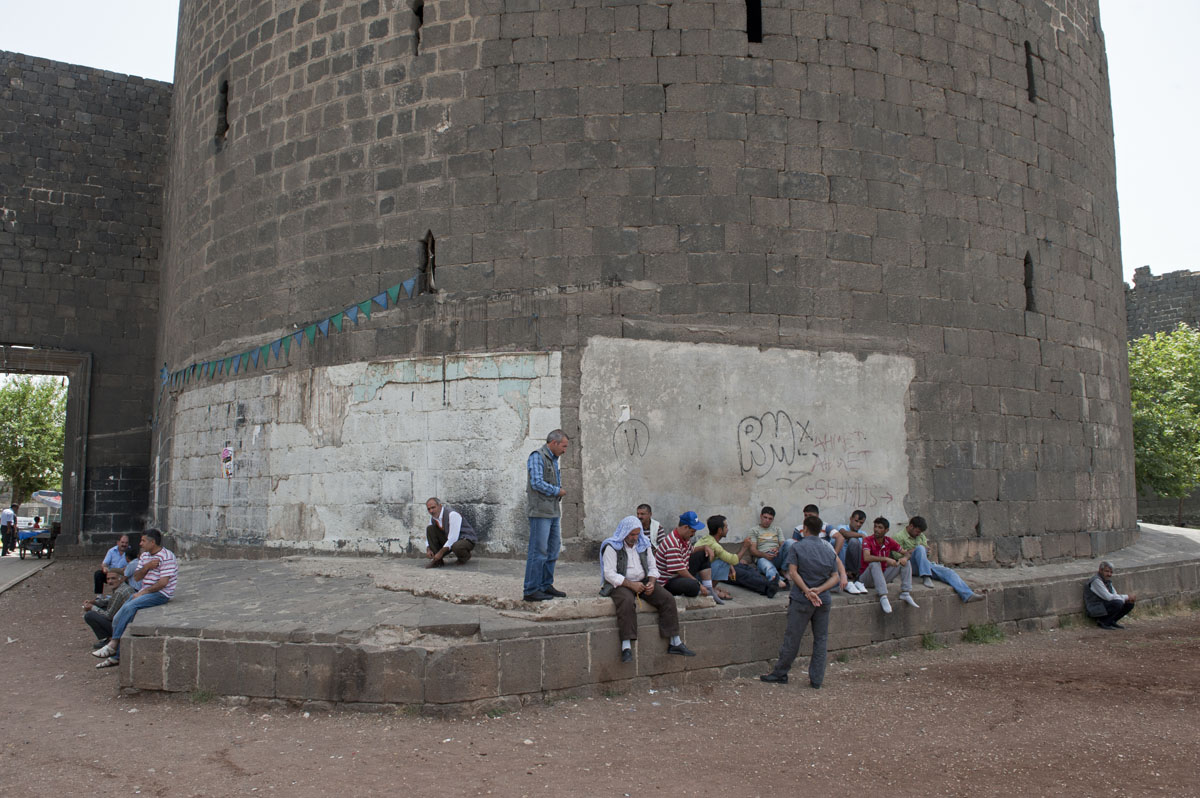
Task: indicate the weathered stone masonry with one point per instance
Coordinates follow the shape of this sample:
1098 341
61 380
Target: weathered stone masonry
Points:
904 180
82 169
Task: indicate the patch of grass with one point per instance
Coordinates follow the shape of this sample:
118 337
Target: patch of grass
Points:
497 712
613 693
983 633
929 642
843 658
201 696
1067 621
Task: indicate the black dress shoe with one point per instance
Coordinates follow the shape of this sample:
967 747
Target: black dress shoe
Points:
536 595
681 650
774 678
554 592
626 655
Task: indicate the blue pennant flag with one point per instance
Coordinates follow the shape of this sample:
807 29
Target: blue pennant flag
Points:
254 358
381 300
298 338
275 348
409 284
352 313
323 326
164 374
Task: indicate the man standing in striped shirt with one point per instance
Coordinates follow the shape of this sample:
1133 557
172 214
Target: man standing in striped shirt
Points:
158 569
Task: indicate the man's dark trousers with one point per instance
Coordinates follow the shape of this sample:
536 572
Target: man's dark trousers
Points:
1117 610
101 624
801 613
659 599
435 536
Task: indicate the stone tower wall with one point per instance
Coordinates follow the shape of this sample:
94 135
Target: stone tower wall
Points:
82 168
870 197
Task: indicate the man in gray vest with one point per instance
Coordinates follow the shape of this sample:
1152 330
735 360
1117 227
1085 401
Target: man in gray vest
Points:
629 573
543 494
1104 604
448 532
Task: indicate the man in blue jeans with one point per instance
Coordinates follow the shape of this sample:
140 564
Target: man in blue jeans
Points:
544 495
915 543
158 570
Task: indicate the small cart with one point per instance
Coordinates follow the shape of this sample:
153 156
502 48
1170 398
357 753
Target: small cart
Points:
36 542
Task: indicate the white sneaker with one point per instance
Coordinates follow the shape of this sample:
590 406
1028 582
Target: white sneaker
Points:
105 652
887 605
861 587
908 599
928 582
851 589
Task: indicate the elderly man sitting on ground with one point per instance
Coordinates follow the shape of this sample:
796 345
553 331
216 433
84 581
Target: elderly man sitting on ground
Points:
447 532
629 573
1103 602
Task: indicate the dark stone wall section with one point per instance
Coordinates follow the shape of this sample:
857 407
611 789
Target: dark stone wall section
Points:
1161 303
82 171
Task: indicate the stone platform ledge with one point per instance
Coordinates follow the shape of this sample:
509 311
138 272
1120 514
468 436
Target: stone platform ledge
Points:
357 634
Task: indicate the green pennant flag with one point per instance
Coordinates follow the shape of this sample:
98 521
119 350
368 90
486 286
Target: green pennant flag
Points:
310 332
287 345
337 320
365 308
228 365
262 354
245 361
394 293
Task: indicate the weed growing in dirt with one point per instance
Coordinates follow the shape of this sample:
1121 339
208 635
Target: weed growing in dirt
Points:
202 696
843 658
613 693
929 642
497 712
1067 621
983 633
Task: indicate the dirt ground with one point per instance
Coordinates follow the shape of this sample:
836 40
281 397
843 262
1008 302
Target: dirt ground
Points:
1073 712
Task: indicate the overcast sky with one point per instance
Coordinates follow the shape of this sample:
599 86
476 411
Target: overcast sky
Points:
1152 68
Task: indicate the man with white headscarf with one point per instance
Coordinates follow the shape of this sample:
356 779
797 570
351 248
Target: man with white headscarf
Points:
629 572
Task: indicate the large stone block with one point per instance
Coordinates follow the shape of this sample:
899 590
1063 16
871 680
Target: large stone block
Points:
462 673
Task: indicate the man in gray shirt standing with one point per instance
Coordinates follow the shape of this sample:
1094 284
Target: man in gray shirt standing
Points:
812 569
543 497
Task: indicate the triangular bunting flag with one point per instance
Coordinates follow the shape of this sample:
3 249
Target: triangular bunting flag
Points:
298 337
352 313
323 326
364 308
310 332
393 293
264 356
275 348
221 366
254 358
164 374
287 346
337 320
381 300
246 361
237 363
409 284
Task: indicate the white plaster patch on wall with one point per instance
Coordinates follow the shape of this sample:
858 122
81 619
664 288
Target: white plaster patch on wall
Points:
726 429
343 457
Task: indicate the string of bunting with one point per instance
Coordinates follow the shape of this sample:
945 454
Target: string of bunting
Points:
280 348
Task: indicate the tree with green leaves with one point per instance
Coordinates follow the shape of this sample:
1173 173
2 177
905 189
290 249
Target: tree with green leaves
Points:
1164 390
33 414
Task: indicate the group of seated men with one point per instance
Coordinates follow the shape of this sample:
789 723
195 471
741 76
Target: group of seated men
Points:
644 559
138 575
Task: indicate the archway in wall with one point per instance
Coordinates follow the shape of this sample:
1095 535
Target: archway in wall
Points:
77 368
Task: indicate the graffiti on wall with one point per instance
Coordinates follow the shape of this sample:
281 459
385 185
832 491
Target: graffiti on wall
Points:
832 466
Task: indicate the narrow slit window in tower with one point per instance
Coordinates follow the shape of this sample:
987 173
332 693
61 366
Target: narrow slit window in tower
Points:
222 114
1029 303
419 15
428 285
754 20
1029 72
